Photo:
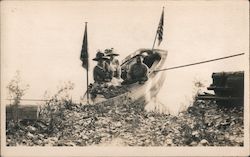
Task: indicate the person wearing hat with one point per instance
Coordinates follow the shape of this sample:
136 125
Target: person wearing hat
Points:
113 62
138 72
100 72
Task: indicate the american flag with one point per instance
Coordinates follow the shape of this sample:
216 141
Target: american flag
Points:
160 28
84 53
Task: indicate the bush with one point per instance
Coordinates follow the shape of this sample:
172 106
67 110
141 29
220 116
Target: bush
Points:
16 91
52 112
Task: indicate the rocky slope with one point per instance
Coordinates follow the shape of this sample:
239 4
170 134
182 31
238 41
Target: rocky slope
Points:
124 123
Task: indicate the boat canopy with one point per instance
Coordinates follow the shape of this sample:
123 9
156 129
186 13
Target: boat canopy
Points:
149 56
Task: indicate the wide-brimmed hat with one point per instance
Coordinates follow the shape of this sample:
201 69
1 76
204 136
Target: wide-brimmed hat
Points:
100 56
110 52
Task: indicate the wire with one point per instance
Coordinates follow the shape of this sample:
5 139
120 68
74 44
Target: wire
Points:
30 99
202 62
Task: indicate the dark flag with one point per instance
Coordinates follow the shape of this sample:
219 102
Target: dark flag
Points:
160 28
84 53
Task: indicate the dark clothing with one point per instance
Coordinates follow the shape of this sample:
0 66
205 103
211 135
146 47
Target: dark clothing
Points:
108 70
100 74
138 70
137 73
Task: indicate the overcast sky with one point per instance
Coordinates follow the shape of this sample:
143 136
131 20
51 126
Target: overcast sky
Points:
43 40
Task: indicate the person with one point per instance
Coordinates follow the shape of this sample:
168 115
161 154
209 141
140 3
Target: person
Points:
108 69
114 63
100 72
114 67
101 76
138 72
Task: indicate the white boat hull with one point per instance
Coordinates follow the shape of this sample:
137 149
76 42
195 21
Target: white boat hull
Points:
142 92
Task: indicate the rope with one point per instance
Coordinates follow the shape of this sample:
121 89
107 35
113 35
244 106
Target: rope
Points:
206 61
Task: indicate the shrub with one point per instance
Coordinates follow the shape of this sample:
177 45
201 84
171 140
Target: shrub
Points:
16 91
52 112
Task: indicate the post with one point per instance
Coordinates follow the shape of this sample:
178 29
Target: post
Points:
154 40
88 83
159 25
87 71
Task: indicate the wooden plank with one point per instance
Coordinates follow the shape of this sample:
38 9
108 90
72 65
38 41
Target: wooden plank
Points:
219 88
213 97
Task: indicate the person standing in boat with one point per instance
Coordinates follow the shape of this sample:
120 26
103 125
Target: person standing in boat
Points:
114 66
138 72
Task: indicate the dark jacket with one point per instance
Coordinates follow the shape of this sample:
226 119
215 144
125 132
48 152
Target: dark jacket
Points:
99 74
138 70
102 74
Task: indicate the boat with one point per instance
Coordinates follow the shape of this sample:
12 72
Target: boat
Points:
155 60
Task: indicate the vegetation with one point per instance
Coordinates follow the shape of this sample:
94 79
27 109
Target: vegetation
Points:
16 90
126 123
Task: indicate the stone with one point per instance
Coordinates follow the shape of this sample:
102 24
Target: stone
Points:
30 135
54 139
169 142
118 124
204 142
151 118
40 135
31 129
193 143
195 133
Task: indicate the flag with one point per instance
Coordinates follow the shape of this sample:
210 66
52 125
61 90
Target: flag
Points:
84 53
160 28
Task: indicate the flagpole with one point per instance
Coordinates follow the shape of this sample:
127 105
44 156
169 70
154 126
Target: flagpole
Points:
87 84
155 40
87 75
156 32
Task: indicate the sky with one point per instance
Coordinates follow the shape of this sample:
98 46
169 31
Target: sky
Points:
43 41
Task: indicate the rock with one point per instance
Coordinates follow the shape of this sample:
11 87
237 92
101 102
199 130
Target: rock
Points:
193 143
41 136
31 129
24 141
84 137
151 118
55 139
203 142
169 142
30 135
65 143
118 124
39 142
220 137
49 144
41 126
239 139
195 134
70 144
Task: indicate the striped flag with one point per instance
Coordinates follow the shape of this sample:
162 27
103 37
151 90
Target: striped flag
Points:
84 53
160 28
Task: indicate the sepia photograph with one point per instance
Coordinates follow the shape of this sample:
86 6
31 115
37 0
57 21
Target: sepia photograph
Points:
125 78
